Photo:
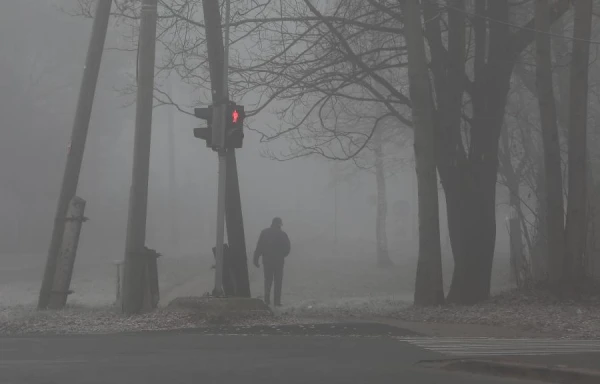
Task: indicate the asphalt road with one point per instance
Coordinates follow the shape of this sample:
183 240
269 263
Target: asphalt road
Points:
225 357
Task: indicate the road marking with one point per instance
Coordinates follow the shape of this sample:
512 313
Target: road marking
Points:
482 346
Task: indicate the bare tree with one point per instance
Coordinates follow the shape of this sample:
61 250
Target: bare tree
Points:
551 139
576 230
429 288
307 63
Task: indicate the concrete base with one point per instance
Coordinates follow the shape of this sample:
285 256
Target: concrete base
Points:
222 310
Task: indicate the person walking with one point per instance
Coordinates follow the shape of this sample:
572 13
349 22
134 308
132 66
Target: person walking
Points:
274 246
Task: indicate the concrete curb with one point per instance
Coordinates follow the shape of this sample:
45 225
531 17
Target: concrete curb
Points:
222 310
550 374
460 330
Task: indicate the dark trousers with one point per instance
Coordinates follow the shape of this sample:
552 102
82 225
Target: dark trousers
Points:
273 270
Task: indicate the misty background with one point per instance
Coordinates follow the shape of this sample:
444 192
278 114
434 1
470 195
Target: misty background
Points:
42 51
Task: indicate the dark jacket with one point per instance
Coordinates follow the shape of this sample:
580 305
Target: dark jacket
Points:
273 244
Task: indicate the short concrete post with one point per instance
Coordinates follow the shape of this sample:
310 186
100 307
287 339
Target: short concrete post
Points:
68 252
119 282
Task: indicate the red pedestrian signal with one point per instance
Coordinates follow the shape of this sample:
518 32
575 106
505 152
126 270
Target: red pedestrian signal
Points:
234 131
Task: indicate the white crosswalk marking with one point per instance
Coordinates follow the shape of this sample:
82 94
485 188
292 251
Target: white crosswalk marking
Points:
480 346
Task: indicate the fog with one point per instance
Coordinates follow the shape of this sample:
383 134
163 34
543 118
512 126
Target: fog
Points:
41 63
419 186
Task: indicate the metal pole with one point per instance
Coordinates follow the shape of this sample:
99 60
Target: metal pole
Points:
226 56
77 144
135 264
218 71
218 290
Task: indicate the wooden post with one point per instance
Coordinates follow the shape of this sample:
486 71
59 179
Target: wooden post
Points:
66 258
238 257
77 144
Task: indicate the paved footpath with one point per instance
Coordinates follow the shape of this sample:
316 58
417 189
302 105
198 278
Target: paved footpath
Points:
332 353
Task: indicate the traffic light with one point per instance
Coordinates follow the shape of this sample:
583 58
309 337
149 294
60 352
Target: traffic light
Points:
234 126
234 129
204 133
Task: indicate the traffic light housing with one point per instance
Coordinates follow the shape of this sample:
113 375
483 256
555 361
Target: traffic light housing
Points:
204 134
234 129
205 113
234 126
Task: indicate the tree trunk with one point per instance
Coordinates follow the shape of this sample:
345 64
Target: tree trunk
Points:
593 253
472 224
469 170
429 288
514 223
383 255
539 252
551 143
577 165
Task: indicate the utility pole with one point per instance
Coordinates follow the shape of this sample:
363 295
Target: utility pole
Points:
218 65
81 124
135 254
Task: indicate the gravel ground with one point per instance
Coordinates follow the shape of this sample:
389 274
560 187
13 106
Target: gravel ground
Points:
85 320
105 320
529 312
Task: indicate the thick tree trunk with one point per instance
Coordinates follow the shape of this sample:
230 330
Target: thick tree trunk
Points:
469 176
472 223
468 168
551 142
577 190
429 286
383 255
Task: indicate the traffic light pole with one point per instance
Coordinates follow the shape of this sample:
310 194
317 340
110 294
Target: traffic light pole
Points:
77 145
135 254
221 203
218 64
229 202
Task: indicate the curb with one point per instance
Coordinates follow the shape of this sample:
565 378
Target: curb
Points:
460 330
551 374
